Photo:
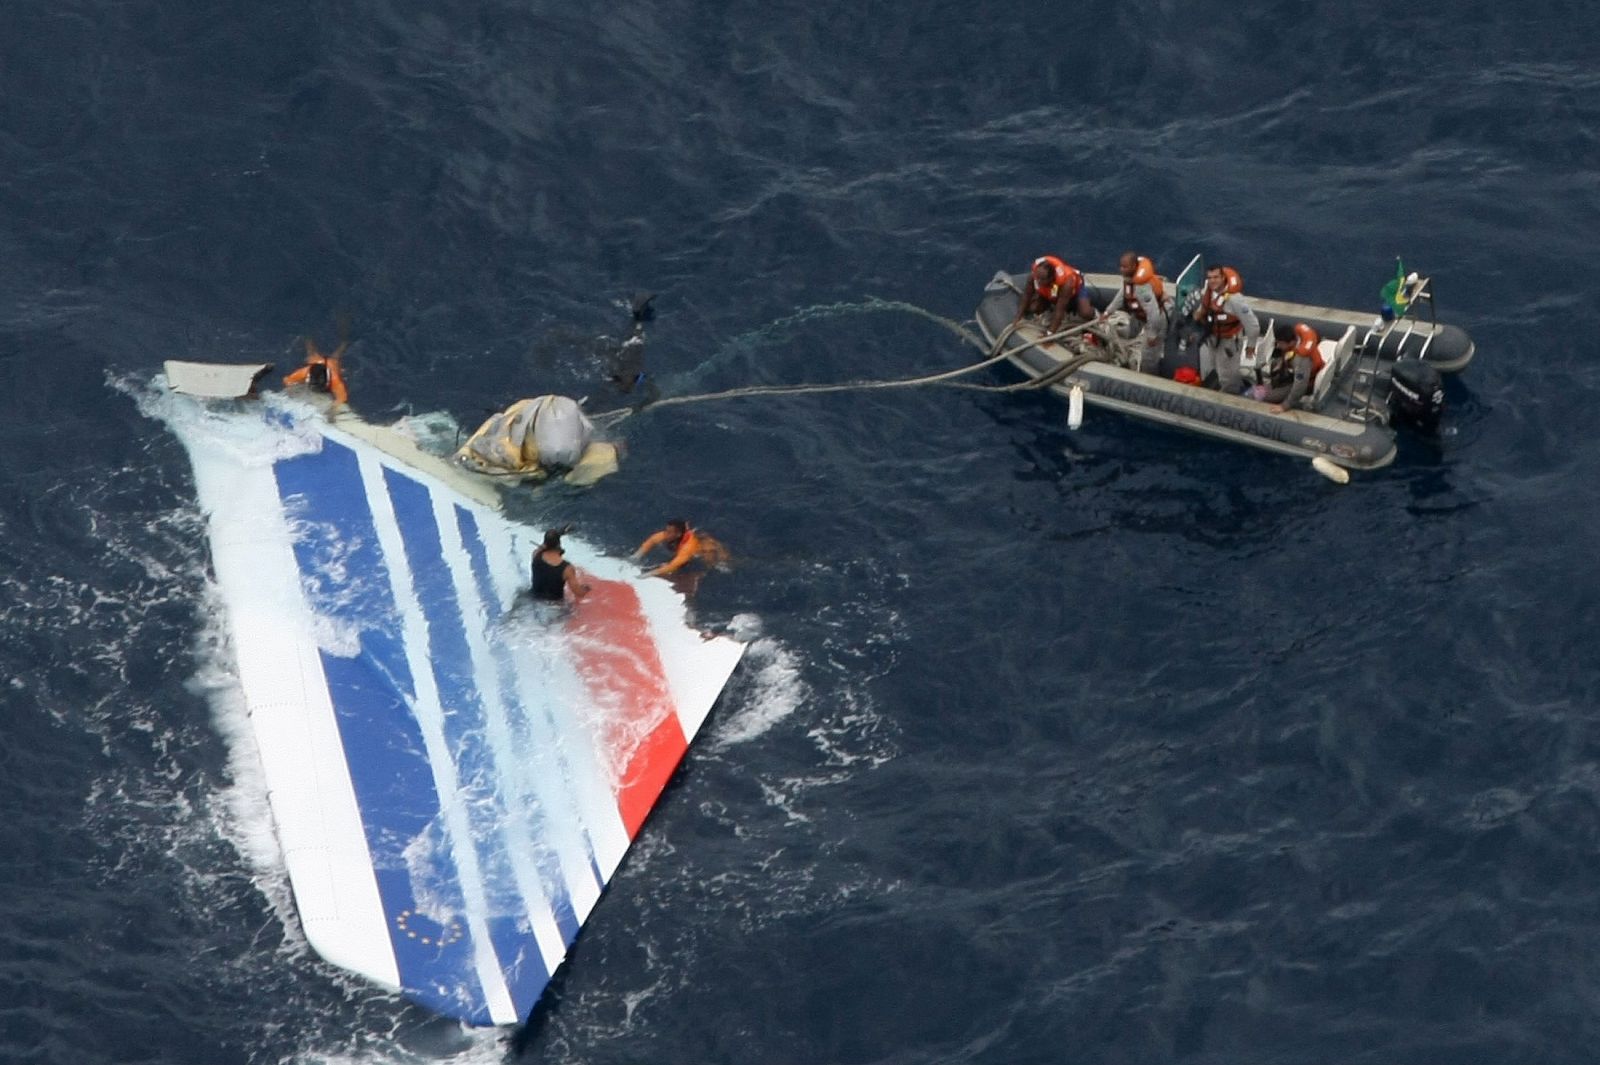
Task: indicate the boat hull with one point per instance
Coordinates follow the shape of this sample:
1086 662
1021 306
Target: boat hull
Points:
1351 427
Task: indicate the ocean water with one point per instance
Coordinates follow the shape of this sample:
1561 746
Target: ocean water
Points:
1109 745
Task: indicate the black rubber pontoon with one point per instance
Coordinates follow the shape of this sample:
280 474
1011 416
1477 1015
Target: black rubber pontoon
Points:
1346 418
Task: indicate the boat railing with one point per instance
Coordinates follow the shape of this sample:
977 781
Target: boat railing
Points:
1377 338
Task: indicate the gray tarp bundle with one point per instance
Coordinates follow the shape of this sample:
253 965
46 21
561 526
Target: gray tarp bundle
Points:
530 436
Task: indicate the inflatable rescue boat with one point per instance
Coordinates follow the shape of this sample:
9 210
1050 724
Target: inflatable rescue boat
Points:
1377 374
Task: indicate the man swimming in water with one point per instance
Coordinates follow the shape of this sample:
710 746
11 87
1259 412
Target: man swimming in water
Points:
687 545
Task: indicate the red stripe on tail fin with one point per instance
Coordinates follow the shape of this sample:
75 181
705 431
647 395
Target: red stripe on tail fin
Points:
621 667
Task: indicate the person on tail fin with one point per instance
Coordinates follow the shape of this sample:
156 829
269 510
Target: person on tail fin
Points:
322 373
553 575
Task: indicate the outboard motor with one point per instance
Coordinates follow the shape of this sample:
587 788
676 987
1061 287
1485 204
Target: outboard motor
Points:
1416 394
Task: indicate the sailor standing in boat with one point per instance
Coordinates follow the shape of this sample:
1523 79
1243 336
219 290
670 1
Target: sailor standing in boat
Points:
1228 320
1145 300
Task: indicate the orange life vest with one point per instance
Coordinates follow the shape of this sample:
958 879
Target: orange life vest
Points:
686 548
1143 274
322 374
1305 347
1306 340
1063 278
1218 320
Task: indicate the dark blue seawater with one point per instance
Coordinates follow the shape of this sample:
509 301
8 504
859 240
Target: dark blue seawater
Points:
1116 745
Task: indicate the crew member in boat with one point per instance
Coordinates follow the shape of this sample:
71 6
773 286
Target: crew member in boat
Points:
1144 297
1053 285
553 575
1231 328
686 544
1297 361
322 373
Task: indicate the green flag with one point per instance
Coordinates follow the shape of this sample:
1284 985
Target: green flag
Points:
1394 293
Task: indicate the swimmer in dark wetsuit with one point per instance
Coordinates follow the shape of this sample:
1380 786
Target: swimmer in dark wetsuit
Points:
553 574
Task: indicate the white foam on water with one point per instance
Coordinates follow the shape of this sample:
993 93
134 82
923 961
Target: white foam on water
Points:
209 424
438 1043
436 432
768 690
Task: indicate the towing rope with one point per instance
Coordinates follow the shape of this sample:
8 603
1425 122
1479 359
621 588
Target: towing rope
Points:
994 353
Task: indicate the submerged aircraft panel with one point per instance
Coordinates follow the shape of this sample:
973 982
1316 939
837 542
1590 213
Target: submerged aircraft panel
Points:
454 771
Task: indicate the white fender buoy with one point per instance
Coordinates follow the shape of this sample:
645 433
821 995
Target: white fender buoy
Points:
1330 469
1075 407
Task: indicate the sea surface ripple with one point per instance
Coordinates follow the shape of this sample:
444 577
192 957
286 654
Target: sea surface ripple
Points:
1116 745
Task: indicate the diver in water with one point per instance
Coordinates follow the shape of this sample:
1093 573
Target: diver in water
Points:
624 363
553 575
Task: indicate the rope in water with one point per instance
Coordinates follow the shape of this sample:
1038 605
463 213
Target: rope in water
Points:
872 305
947 378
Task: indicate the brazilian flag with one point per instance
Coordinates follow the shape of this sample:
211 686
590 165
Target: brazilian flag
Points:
1394 294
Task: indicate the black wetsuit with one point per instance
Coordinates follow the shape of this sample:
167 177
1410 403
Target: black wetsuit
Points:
549 581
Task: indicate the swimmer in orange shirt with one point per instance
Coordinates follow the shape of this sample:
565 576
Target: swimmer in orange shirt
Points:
321 372
686 545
